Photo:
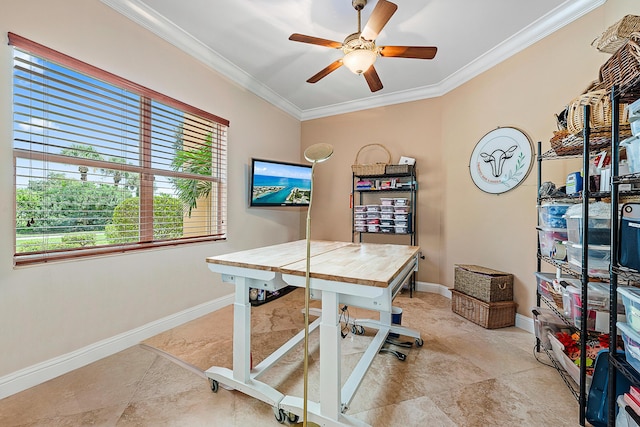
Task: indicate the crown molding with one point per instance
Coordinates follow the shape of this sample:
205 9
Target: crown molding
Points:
148 18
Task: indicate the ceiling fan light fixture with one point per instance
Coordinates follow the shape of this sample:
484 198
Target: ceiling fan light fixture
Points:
359 60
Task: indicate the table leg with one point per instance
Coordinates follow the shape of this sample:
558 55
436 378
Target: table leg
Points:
330 393
241 324
241 378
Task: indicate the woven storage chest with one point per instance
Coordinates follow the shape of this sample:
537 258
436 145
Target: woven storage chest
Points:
483 283
490 315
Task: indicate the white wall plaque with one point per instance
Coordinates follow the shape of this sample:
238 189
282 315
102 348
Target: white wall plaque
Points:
501 160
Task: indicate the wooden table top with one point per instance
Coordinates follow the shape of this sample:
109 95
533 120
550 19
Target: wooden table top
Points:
370 264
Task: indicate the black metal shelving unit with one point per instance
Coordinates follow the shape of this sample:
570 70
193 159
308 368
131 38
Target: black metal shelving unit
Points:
408 188
618 274
578 390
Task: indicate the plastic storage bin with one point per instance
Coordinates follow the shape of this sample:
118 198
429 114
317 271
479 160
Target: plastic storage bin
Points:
599 257
552 215
401 201
373 208
402 229
632 146
546 321
631 300
549 286
385 201
631 340
360 208
599 230
572 369
597 306
548 238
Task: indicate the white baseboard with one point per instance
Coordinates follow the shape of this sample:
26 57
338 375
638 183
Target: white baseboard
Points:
49 369
522 322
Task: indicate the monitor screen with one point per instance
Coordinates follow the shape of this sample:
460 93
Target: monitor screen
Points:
275 183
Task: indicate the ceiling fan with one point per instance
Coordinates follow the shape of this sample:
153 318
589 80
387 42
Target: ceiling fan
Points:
360 50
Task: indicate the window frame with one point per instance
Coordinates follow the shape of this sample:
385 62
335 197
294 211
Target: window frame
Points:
145 169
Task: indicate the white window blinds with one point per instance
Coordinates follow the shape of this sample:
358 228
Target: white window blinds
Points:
104 165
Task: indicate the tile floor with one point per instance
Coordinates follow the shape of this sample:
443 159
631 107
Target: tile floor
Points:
464 375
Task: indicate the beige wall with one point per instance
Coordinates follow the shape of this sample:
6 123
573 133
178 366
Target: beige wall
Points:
458 223
50 310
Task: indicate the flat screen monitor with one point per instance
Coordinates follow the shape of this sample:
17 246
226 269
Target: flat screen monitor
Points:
275 183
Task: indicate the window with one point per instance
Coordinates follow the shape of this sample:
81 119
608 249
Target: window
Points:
104 165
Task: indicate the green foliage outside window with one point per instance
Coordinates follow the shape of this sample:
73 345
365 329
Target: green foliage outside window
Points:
125 227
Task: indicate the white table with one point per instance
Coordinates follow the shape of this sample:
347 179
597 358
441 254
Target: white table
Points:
363 275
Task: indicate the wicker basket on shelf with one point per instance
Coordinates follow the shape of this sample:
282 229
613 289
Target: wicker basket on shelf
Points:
617 35
371 169
623 67
572 145
599 99
557 299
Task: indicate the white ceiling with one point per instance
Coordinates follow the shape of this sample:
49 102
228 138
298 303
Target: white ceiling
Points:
247 41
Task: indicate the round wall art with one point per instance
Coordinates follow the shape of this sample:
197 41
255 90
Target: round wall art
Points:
501 160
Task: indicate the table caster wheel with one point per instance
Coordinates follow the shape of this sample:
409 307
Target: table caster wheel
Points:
401 356
280 415
293 418
357 330
214 385
419 342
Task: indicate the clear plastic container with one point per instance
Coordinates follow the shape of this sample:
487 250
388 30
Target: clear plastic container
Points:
401 229
551 215
599 230
386 228
548 237
631 340
545 322
632 146
599 223
631 301
572 369
599 257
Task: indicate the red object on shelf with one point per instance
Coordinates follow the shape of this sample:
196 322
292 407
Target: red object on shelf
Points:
632 402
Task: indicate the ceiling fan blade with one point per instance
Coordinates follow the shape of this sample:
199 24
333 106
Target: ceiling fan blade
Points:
326 71
315 40
371 76
419 52
381 14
